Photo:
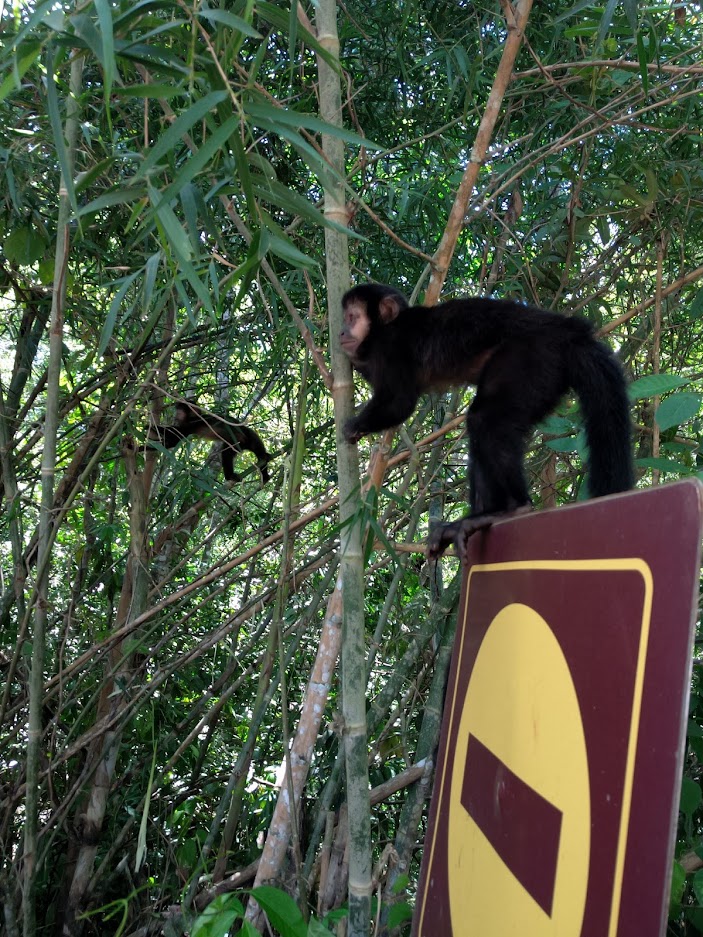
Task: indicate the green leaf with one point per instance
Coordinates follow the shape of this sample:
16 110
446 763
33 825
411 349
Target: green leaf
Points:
283 248
197 161
642 59
691 797
277 16
654 385
662 465
248 930
24 246
150 270
606 20
694 730
141 838
398 914
102 8
292 29
44 13
118 196
57 129
678 884
696 309
568 444
158 92
173 229
281 910
556 425
12 81
677 409
578 7
631 13
698 886
229 19
219 916
282 197
109 326
317 929
266 115
175 133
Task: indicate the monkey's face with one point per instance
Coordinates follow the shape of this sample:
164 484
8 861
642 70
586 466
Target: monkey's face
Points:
356 328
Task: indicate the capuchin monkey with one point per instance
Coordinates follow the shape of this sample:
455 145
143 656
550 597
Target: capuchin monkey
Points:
522 360
191 420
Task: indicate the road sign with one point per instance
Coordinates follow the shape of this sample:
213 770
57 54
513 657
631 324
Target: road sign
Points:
558 777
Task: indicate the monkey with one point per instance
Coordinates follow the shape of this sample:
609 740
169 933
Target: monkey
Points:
521 358
192 420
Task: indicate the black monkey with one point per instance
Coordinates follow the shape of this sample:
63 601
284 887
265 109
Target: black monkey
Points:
192 420
522 359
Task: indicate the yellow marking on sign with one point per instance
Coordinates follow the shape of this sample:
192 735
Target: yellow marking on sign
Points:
521 702
530 744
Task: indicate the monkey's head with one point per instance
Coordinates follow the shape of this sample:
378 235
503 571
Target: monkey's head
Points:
367 308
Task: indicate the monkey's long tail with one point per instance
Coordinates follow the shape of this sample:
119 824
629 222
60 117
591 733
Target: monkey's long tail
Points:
597 377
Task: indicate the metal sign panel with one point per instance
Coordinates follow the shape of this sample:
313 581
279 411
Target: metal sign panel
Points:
559 769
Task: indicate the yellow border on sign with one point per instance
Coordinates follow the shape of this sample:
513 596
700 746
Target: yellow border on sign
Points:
633 564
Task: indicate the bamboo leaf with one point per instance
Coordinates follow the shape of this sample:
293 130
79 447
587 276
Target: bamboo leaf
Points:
102 8
278 17
287 199
283 248
57 130
266 115
111 319
157 92
197 161
141 838
230 20
574 10
631 13
42 14
292 29
642 59
13 80
117 196
151 269
606 21
180 127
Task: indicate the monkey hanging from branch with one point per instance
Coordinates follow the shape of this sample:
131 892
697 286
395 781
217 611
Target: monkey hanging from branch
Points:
235 437
522 360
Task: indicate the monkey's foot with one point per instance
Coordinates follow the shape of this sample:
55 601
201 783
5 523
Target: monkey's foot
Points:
459 532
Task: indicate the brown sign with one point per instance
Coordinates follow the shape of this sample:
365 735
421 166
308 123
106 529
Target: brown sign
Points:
556 794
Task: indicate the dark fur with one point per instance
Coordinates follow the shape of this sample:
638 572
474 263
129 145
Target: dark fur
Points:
192 420
522 359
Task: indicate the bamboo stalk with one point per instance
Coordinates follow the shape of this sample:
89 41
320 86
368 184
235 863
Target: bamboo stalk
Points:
444 253
36 688
351 563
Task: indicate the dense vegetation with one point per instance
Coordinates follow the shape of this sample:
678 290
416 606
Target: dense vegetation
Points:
164 204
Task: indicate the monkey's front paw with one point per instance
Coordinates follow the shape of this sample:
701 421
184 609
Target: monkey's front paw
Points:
441 536
351 432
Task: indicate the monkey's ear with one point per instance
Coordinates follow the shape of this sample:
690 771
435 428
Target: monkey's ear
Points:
388 308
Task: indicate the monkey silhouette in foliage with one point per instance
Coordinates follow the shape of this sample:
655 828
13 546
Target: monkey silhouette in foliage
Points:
192 420
522 360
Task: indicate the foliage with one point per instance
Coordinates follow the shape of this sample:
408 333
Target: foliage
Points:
181 633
